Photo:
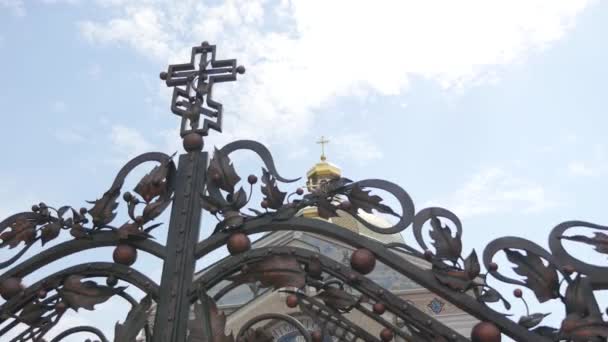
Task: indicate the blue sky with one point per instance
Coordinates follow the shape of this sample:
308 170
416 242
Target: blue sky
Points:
495 110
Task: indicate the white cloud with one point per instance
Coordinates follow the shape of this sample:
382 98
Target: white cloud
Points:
495 190
128 142
16 7
301 54
69 135
356 146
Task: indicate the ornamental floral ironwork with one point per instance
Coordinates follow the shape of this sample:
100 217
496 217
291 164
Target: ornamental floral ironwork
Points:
184 309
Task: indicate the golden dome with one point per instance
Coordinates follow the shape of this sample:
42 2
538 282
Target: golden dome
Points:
323 170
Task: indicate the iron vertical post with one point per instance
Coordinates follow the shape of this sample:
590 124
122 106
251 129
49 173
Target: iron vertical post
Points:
173 309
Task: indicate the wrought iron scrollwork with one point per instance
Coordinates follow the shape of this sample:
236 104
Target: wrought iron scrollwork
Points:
339 290
328 198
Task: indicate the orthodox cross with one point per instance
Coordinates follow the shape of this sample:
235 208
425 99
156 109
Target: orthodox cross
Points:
323 142
192 96
193 89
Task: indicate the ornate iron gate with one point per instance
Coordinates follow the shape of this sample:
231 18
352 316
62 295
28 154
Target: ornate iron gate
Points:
196 184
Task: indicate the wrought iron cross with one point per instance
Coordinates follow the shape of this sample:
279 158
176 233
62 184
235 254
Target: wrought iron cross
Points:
193 89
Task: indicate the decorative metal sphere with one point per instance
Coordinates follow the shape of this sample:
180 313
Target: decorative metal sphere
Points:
428 255
111 281
240 69
264 204
517 293
10 288
291 301
386 334
127 196
252 179
363 261
300 191
193 142
125 254
35 208
379 308
238 243
61 307
492 267
485 332
163 75
316 336
41 294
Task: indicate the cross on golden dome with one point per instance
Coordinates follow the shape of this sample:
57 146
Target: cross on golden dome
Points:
322 142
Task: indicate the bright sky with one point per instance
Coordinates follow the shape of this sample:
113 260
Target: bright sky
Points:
495 110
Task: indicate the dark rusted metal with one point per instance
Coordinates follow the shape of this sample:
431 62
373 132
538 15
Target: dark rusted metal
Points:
185 312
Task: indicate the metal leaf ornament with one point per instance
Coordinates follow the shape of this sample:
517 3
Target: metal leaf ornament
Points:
154 183
217 320
132 231
579 298
49 232
326 209
530 321
361 199
471 265
541 279
87 294
134 323
272 195
453 278
22 230
103 208
490 295
32 314
456 278
583 329
599 241
446 246
276 271
221 172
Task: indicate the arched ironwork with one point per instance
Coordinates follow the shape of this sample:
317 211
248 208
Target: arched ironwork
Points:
184 310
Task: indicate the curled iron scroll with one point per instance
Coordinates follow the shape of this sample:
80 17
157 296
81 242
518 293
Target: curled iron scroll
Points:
514 243
405 202
81 329
598 275
142 158
427 214
44 223
261 151
214 190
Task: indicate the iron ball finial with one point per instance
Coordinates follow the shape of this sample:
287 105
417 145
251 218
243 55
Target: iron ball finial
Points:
485 332
363 261
193 142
